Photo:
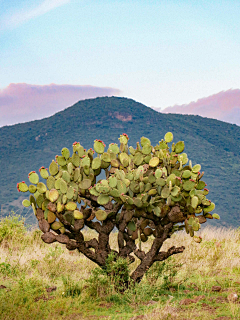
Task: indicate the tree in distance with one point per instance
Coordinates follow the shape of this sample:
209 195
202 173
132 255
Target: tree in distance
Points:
148 192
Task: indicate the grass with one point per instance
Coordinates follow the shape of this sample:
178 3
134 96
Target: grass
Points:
49 282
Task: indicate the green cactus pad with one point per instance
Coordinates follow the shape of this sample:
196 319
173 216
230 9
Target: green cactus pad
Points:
66 176
103 199
105 157
63 186
53 195
171 178
132 150
77 174
147 149
77 214
112 181
160 182
101 215
70 168
137 202
165 192
41 187
200 185
71 206
157 211
53 168
61 161
168 137
40 200
179 147
86 162
209 208
104 164
121 186
215 216
158 173
94 192
123 139
98 147
26 203
175 191
85 184
145 141
196 168
51 217
32 199
96 164
194 202
33 177
176 199
186 174
152 192
188 185
70 193
57 184
114 148
32 188
138 159
44 173
65 153
75 159
124 159
132 226
154 162
102 189
56 225
114 193
60 207
50 182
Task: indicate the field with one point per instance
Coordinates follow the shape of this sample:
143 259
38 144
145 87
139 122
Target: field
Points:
41 281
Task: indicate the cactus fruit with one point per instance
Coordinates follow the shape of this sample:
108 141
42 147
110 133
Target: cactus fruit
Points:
147 189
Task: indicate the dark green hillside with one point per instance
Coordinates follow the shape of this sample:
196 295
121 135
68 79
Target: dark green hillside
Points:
212 143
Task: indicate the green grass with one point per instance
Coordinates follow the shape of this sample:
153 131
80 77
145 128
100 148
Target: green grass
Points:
170 290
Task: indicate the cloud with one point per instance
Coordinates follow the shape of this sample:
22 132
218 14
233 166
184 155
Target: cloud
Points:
224 106
23 102
25 15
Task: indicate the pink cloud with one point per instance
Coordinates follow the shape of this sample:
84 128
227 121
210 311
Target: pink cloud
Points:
224 106
23 102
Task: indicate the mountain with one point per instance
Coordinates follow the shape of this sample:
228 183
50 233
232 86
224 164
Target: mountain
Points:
212 143
224 106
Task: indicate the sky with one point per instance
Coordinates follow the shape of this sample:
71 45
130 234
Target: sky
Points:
160 53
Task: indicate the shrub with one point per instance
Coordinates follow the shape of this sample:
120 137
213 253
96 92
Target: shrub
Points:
148 193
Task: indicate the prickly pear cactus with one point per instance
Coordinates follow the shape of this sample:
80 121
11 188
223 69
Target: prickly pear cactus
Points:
148 191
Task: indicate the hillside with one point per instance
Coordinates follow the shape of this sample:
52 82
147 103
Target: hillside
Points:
212 143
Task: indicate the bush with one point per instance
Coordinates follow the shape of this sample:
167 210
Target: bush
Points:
12 227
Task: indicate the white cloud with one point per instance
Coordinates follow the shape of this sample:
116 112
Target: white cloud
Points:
25 15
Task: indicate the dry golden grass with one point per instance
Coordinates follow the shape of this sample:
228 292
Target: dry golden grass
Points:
28 266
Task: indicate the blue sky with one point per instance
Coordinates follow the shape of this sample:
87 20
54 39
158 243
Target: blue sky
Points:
159 53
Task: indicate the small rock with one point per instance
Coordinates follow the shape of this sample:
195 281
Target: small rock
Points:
232 297
216 288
